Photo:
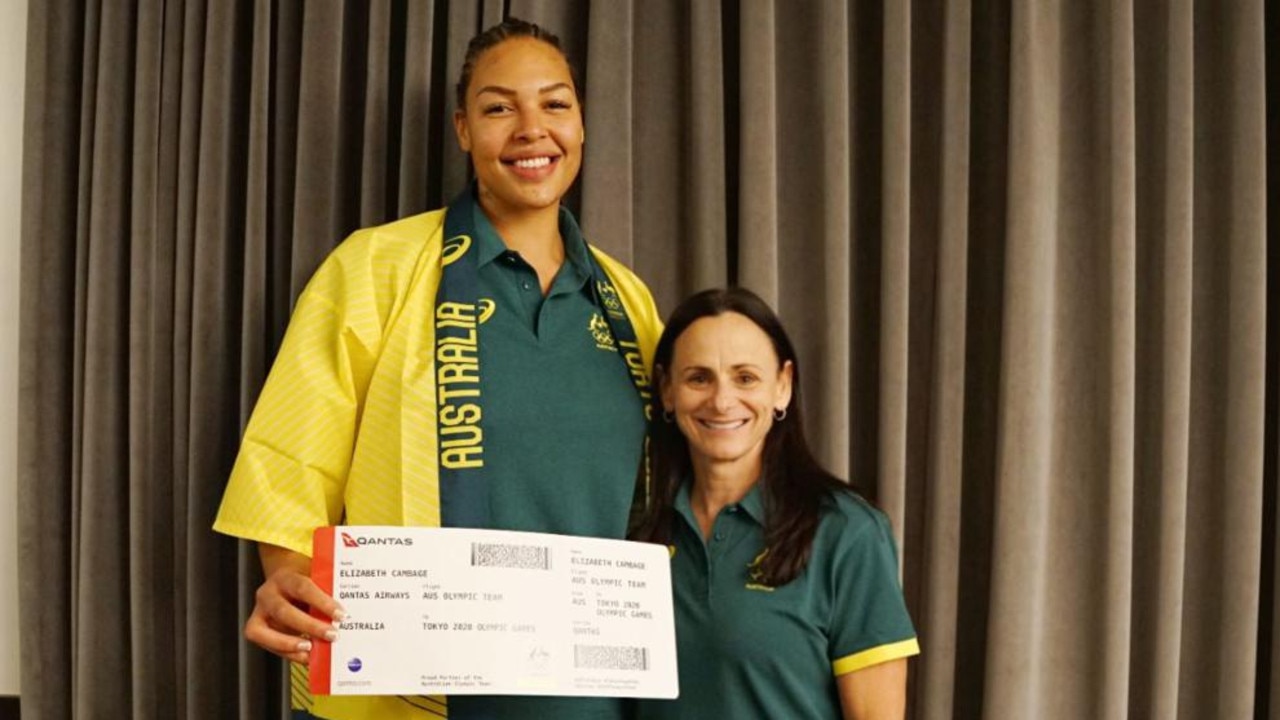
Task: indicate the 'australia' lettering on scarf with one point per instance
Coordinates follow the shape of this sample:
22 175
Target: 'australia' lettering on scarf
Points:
458 386
639 375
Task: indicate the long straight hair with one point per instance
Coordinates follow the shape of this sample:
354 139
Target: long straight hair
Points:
794 484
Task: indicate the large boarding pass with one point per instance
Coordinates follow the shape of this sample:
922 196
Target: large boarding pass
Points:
493 612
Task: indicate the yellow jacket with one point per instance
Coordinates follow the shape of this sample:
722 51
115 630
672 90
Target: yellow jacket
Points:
344 431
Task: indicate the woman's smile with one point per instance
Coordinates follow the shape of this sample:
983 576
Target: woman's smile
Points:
533 168
723 424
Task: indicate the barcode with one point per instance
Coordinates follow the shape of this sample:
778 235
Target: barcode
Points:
610 657
526 557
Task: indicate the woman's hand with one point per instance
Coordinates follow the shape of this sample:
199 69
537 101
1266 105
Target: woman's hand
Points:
878 692
280 622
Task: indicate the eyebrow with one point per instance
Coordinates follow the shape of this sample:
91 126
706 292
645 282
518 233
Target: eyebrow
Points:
508 92
739 366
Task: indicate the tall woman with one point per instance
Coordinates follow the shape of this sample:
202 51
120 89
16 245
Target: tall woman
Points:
477 366
786 582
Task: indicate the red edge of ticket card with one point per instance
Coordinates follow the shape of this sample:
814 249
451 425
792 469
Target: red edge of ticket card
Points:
320 667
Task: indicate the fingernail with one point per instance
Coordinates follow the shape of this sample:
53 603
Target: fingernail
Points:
339 615
304 646
330 635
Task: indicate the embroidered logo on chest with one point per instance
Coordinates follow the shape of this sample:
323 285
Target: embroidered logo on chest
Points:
755 574
599 330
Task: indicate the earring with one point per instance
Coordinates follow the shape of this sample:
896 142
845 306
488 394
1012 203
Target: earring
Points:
667 417
779 415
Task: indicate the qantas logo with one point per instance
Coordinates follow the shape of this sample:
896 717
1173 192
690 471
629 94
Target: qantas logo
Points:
353 542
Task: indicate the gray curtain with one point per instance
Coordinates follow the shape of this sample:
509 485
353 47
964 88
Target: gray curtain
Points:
1021 246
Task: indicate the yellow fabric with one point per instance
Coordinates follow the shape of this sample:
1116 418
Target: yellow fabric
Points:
417 707
875 656
344 431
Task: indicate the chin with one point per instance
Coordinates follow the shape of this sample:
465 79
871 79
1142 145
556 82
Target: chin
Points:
540 202
539 199
723 454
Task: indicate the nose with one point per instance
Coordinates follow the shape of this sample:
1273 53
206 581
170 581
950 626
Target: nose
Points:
723 398
530 126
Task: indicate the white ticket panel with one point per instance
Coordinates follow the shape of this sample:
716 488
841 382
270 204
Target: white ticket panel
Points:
493 612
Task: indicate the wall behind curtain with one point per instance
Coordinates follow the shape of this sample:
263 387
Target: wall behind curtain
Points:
1021 247
13 23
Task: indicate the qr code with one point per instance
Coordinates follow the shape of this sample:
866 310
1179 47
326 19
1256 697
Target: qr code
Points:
526 557
610 657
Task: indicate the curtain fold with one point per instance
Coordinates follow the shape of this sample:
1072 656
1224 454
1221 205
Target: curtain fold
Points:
150 371
936 443
99 561
1228 226
1165 136
681 199
1022 248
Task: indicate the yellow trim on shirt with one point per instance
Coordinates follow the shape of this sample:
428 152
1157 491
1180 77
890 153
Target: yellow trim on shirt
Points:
875 656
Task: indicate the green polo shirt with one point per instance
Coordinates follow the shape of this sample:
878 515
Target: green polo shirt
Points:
750 651
563 423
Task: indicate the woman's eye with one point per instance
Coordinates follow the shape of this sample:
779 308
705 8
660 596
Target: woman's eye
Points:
746 379
494 109
557 104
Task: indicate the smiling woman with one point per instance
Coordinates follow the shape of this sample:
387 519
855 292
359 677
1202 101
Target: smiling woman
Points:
724 388
439 370
765 543
522 125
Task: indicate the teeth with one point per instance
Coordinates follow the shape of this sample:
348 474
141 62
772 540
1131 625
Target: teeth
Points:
531 163
723 425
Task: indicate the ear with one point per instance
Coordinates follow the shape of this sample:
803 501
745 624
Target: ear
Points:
783 398
460 128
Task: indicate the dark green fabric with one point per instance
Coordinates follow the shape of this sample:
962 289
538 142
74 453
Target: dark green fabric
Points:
562 420
503 271
749 651
466 485
561 408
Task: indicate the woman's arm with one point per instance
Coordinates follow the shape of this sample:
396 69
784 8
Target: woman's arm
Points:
279 623
878 692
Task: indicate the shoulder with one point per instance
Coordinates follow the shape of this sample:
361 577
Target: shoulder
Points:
848 519
399 240
381 261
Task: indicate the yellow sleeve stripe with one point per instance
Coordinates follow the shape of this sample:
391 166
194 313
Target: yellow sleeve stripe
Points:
875 656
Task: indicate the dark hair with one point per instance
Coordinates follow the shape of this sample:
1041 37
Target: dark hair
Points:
794 484
494 36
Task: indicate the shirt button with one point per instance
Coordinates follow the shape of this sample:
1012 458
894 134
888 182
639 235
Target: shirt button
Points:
733 509
718 537
525 285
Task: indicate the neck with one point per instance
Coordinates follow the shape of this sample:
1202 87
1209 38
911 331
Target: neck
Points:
717 485
535 234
